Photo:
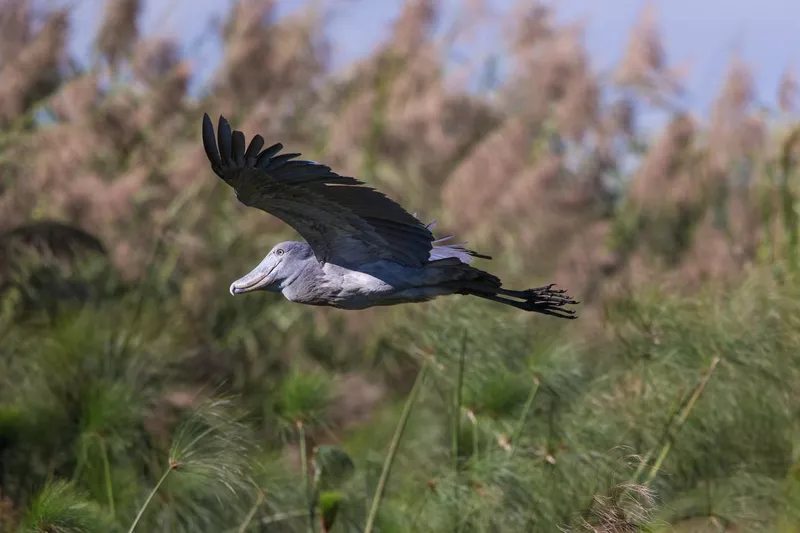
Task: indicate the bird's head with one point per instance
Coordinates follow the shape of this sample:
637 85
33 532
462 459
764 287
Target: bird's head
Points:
280 266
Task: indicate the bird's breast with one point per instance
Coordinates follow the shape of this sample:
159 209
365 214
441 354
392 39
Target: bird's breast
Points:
357 289
337 286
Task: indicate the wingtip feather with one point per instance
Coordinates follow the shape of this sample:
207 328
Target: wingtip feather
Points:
237 148
251 156
265 156
225 140
278 161
210 142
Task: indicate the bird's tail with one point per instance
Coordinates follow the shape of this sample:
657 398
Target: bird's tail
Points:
546 300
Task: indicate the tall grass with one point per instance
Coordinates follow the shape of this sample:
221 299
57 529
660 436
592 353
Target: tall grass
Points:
137 395
685 413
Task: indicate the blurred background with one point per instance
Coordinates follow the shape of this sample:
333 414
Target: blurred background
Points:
642 155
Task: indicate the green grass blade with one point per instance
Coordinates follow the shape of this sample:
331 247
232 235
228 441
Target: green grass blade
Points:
107 477
150 496
523 417
698 391
301 433
398 435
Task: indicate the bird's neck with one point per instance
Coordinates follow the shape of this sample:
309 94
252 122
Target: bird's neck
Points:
305 269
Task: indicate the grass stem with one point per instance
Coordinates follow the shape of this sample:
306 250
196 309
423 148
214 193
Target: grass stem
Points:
107 477
698 391
146 503
251 513
301 434
523 417
398 435
456 437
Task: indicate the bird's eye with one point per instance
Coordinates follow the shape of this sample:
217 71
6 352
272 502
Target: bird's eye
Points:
279 252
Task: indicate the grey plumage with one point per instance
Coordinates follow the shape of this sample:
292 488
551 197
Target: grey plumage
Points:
362 249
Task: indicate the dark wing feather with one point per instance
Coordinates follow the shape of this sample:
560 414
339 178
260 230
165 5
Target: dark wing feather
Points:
344 221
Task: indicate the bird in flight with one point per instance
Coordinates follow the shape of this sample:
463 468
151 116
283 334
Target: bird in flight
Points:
362 249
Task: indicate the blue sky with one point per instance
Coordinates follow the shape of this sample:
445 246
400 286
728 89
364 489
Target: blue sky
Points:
702 34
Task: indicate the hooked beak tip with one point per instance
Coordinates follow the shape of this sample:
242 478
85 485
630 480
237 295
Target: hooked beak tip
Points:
255 280
234 289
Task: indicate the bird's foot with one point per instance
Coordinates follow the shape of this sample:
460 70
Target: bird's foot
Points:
550 301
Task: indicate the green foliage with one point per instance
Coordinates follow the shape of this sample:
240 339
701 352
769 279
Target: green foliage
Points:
210 450
685 413
303 397
60 508
332 467
208 472
329 503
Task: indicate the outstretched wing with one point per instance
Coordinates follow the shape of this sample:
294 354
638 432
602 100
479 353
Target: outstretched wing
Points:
344 221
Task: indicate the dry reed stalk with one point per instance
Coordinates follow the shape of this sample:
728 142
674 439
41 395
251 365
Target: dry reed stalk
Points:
16 20
166 99
72 148
266 59
622 117
155 58
118 31
413 26
34 73
644 58
711 258
533 23
661 173
787 92
545 72
626 508
733 131
587 261
349 131
578 111
485 174
76 98
528 191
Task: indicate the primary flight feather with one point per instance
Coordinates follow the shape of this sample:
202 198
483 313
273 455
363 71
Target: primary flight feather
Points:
362 249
